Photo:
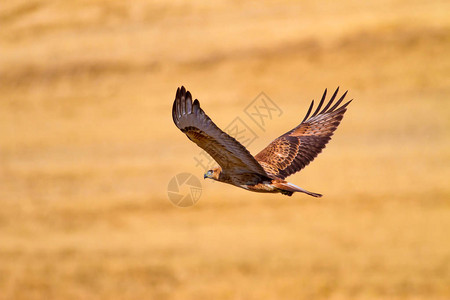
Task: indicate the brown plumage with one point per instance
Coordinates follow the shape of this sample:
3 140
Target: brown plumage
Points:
284 156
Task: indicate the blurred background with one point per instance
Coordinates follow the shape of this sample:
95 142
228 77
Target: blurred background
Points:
88 147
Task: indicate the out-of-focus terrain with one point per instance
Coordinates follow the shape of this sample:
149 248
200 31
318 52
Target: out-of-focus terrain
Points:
87 148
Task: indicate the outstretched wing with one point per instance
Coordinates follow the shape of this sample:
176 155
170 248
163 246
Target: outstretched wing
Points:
226 151
295 149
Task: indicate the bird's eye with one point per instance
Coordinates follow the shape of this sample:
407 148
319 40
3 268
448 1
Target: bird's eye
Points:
210 172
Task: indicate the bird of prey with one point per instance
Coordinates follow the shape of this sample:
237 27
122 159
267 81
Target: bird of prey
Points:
266 171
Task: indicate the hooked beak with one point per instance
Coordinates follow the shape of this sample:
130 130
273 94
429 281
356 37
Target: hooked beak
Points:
205 176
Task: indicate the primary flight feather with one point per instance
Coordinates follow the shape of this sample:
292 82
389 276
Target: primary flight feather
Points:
266 171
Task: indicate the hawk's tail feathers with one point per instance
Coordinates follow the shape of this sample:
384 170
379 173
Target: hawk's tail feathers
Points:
287 188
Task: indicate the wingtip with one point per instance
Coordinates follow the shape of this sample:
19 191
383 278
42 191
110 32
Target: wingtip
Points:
181 91
337 89
309 111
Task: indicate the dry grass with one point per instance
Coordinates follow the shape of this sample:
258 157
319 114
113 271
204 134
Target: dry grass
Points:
87 148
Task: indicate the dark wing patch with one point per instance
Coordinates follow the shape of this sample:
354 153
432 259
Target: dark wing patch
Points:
295 149
226 151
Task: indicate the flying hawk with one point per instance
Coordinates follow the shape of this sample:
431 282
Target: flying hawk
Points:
266 171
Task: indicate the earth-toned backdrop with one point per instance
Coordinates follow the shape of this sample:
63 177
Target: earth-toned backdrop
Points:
88 148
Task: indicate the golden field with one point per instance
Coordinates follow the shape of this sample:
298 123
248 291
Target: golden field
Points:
88 147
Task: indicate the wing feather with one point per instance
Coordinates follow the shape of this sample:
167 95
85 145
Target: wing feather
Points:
232 156
295 149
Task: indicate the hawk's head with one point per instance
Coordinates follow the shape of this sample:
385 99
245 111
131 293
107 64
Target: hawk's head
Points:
213 174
